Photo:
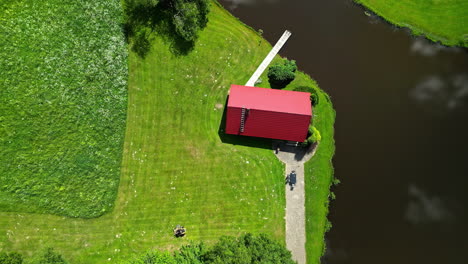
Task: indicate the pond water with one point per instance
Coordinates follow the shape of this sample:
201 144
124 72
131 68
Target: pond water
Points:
401 129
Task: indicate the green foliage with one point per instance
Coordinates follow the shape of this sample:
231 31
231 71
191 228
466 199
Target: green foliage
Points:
328 226
314 97
11 258
281 74
190 254
188 16
314 135
336 181
63 106
178 21
154 257
49 256
248 249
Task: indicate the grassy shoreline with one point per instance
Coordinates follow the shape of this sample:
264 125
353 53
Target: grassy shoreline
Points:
440 21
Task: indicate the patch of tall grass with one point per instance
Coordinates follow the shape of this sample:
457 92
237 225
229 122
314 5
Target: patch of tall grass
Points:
63 99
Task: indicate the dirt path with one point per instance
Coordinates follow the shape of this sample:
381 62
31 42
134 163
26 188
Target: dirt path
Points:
294 159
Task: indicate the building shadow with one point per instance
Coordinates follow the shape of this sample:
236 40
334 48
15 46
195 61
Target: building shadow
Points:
303 151
254 142
297 152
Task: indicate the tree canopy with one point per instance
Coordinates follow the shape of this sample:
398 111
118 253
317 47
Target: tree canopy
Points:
281 74
188 17
246 249
178 21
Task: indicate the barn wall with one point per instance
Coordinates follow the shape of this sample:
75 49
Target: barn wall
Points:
233 120
268 124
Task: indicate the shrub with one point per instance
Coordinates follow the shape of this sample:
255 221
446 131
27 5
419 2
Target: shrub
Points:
314 135
336 181
314 97
280 75
11 258
190 254
248 249
49 256
154 257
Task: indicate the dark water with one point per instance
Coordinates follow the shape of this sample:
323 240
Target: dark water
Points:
401 129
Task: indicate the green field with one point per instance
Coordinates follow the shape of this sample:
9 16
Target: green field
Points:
177 169
445 21
63 101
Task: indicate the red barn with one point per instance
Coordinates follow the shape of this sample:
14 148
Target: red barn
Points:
268 113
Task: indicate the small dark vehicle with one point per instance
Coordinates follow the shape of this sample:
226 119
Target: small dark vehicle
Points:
292 179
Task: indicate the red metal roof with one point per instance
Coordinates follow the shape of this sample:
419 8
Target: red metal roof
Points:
270 100
271 113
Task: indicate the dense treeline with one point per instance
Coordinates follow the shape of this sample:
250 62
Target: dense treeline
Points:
246 249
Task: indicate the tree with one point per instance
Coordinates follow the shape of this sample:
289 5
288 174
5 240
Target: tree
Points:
11 258
188 16
282 74
248 249
177 21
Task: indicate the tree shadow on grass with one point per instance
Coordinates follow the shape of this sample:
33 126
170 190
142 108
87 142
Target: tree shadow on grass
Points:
145 21
254 142
279 84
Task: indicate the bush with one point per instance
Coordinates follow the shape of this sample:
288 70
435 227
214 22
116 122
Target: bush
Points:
154 257
280 75
248 249
50 257
314 97
11 258
313 136
190 254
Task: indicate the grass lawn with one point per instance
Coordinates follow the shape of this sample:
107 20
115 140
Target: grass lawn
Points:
177 170
63 101
445 21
